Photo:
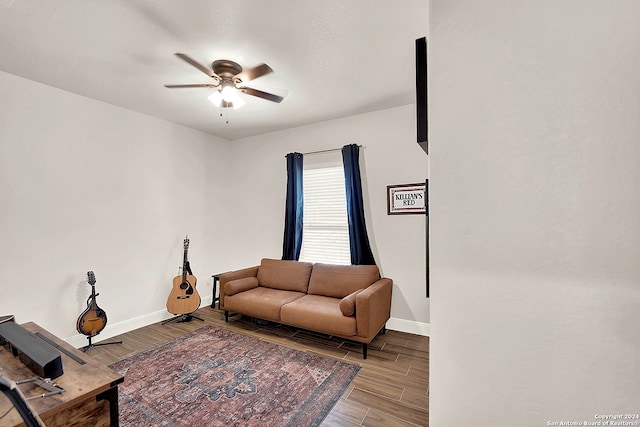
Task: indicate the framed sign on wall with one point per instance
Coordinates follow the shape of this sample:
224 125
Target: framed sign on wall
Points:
405 199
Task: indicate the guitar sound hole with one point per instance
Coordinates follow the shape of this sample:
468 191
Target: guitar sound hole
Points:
184 285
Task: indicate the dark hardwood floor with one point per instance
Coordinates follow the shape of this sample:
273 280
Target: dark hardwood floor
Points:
391 389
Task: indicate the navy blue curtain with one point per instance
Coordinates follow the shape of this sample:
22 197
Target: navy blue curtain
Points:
292 242
358 240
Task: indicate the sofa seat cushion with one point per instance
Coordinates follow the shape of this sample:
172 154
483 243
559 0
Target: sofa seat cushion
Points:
338 281
318 313
286 275
260 302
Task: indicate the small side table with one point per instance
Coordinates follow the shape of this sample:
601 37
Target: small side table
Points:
216 294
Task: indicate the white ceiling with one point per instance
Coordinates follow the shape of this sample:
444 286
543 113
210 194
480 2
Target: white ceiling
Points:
332 58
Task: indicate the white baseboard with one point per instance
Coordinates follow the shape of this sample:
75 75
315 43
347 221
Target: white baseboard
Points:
115 329
409 326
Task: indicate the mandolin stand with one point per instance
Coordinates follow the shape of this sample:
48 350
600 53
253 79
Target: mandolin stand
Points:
87 347
182 318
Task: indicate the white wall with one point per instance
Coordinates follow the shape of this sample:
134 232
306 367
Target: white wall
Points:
90 186
534 119
390 156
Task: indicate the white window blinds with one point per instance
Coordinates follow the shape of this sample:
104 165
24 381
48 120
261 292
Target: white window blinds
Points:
325 235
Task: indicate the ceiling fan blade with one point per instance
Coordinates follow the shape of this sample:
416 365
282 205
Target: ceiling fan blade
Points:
198 65
261 94
194 85
253 73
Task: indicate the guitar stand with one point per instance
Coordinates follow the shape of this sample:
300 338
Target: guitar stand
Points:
85 348
182 318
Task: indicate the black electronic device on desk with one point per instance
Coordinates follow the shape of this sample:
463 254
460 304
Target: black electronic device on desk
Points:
39 356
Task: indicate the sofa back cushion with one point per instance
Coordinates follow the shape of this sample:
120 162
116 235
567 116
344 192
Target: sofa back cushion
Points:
338 281
285 275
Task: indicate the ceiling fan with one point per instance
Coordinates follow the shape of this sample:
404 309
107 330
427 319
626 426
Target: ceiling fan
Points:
229 78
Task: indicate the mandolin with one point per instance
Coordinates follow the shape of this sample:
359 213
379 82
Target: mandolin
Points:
184 298
93 319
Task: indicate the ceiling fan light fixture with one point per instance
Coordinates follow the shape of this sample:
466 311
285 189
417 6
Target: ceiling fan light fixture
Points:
225 97
230 94
239 102
216 98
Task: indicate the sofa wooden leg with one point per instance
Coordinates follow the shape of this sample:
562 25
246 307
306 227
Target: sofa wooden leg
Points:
365 346
226 316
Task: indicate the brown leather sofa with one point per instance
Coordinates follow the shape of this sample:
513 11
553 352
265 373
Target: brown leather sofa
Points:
346 301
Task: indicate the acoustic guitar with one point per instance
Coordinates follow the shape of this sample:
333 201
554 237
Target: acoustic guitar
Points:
93 319
184 298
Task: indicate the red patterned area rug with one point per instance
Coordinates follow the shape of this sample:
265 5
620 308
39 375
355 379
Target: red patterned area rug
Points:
215 377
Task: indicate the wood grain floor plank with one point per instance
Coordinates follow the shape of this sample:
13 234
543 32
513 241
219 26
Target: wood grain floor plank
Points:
417 399
388 390
418 342
419 371
377 418
346 413
407 351
384 376
398 409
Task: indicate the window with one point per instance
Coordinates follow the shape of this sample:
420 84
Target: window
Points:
325 235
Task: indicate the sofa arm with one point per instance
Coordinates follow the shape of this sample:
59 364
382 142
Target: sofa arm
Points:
235 275
373 308
233 287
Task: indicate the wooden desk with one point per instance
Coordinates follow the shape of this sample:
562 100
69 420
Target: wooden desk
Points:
90 390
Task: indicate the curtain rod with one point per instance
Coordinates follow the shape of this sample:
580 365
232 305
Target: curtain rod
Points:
325 151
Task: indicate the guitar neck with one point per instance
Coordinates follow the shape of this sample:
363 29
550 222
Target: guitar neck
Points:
184 265
93 303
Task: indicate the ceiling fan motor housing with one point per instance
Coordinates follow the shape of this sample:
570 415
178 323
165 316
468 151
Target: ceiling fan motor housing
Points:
226 69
